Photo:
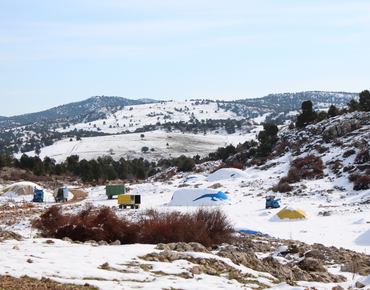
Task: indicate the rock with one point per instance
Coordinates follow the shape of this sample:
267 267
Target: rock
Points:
115 243
326 213
325 277
300 275
276 269
316 254
66 239
215 186
197 270
163 247
103 243
183 247
353 266
359 284
16 248
311 265
197 247
248 259
90 242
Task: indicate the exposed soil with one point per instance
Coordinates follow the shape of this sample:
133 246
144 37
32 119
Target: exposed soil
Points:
78 195
26 283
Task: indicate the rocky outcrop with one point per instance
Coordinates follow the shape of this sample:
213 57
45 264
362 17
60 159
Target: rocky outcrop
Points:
307 264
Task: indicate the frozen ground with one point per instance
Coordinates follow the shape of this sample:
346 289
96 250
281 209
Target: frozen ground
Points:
128 146
347 226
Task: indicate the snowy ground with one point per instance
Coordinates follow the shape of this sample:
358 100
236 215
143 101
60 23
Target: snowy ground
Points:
347 226
128 146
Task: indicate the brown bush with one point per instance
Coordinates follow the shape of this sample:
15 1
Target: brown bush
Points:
321 149
362 157
206 226
282 186
353 176
89 224
349 153
309 167
362 183
336 166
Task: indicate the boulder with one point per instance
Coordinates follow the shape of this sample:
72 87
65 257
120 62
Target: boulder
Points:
311 265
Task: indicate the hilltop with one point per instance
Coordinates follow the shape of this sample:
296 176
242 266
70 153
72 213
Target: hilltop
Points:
101 116
322 168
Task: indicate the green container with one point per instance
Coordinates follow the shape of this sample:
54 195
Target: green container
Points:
111 190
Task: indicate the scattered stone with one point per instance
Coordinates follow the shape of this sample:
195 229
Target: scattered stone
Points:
115 243
215 186
16 248
66 239
90 242
311 265
359 284
103 243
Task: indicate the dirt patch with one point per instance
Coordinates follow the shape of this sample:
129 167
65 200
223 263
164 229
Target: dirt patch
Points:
78 195
25 282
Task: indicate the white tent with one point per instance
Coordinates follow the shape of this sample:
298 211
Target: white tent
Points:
198 197
227 173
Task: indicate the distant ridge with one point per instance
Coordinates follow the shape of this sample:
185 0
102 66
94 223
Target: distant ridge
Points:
70 110
91 108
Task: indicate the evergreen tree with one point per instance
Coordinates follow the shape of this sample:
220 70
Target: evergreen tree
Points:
333 111
365 100
307 116
353 105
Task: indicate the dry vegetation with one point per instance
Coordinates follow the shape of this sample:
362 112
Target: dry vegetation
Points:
205 226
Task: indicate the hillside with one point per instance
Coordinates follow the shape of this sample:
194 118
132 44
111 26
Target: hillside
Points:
325 166
99 116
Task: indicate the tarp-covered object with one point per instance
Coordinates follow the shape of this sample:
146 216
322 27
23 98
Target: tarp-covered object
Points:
198 197
20 188
289 213
363 239
227 173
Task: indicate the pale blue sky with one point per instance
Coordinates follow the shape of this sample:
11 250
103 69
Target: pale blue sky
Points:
57 52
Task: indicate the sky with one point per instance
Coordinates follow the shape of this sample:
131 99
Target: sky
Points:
57 52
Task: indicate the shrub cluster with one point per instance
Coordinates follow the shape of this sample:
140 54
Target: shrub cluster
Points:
349 153
205 226
309 167
89 224
360 182
362 157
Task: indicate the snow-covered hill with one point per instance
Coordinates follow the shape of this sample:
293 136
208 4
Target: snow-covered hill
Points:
338 216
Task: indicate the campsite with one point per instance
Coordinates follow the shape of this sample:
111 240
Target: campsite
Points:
244 205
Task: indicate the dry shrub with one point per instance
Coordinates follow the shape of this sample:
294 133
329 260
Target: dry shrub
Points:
362 157
89 224
362 183
206 226
336 166
349 153
282 186
309 167
353 176
321 149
